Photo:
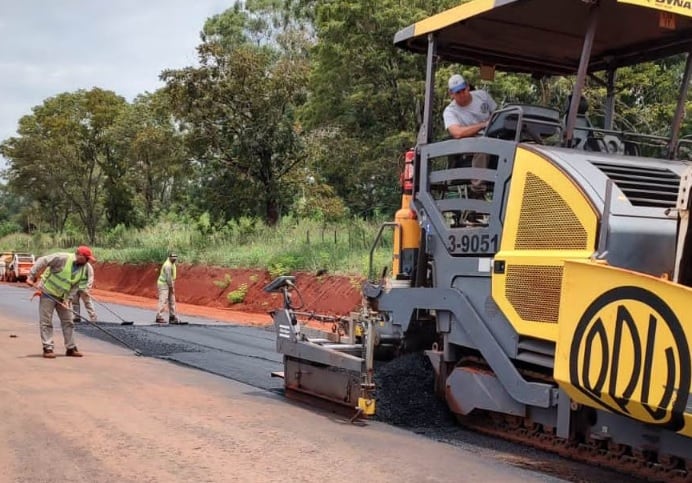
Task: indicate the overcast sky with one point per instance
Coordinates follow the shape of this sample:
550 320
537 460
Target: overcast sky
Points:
53 46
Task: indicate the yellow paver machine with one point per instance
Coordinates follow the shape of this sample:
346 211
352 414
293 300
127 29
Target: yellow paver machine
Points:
556 309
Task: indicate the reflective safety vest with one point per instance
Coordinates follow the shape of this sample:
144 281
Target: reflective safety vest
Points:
59 284
84 281
162 274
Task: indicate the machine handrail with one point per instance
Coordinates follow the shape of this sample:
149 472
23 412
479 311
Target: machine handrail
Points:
393 224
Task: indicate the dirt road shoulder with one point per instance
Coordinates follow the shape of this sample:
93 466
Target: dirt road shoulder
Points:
111 416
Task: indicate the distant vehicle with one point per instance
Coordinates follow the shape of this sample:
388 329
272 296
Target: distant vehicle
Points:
19 267
5 257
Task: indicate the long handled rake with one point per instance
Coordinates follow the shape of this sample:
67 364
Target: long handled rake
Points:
122 320
113 336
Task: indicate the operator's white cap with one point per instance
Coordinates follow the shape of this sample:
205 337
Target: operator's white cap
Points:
456 83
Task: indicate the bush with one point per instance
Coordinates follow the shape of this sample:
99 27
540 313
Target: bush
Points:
277 269
223 284
8 227
238 295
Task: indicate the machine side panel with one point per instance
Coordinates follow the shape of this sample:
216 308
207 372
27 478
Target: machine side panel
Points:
645 245
549 219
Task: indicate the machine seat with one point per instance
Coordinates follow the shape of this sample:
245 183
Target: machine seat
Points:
538 123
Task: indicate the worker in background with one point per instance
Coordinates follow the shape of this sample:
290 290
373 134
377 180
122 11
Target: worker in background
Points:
466 116
61 274
3 266
84 294
166 288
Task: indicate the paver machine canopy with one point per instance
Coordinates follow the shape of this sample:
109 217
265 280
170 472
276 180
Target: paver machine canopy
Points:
556 37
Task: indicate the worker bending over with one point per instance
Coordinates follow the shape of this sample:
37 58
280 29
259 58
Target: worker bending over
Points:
61 274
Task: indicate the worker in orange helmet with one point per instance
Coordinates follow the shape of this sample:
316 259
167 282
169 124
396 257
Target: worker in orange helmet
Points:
61 274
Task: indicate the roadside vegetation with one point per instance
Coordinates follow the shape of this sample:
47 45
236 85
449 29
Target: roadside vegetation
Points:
281 148
291 245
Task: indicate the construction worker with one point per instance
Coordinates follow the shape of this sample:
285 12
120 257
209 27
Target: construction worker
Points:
84 294
166 287
3 265
469 111
61 274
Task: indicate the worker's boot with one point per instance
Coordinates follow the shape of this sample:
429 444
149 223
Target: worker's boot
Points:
74 352
176 321
160 320
48 353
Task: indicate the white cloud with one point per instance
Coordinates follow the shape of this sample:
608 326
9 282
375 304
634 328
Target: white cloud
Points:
50 47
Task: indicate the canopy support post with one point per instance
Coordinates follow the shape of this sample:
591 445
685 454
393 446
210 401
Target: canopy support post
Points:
592 24
610 100
425 132
680 109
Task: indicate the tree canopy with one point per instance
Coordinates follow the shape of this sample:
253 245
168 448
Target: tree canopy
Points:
301 107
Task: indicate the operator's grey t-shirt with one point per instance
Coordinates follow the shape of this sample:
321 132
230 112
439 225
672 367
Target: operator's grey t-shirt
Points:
478 110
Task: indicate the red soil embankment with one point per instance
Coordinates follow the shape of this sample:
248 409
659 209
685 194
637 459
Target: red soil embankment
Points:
195 285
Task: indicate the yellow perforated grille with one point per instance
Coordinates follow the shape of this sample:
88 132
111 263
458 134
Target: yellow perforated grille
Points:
534 291
546 221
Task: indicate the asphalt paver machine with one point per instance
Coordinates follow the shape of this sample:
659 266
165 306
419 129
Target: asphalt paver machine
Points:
556 310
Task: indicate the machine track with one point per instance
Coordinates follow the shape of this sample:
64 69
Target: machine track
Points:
607 454
621 458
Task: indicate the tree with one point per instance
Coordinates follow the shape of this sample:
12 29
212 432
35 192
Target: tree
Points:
10 211
238 109
153 158
62 155
368 91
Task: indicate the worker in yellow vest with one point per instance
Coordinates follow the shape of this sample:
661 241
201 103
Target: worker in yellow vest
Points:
166 287
61 273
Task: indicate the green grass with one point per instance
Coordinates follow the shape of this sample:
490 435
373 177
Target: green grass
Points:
293 245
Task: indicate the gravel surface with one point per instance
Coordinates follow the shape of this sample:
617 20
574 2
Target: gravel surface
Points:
406 398
244 354
405 394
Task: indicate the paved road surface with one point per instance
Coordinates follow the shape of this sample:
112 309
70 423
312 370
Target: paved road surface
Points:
242 353
247 355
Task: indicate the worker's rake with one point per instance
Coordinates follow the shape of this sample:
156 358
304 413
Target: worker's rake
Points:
110 334
122 320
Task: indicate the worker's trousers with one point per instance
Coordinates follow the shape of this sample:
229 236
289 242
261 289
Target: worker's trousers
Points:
85 297
166 297
46 306
480 160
